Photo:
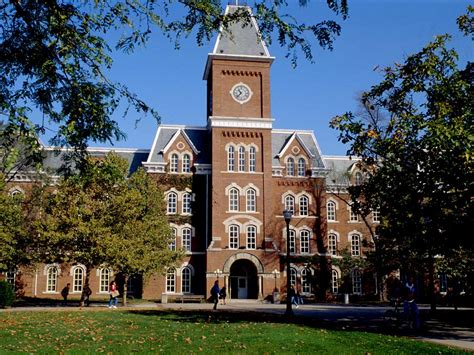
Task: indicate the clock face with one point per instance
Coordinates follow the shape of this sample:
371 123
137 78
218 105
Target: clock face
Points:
241 93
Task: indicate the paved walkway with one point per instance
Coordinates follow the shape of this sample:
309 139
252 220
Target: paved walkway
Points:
342 316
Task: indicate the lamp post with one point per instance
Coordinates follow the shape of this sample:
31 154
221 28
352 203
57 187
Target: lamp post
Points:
287 215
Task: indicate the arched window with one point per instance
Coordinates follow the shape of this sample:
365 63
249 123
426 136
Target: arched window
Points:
231 158
359 179
292 241
332 244
233 200
251 237
251 200
16 192
241 159
186 208
174 163
51 279
334 281
293 276
234 236
304 204
172 203
186 163
353 216
77 279
305 281
186 239
304 241
301 167
172 244
355 245
290 167
356 281
331 211
186 280
290 204
104 280
252 159
171 280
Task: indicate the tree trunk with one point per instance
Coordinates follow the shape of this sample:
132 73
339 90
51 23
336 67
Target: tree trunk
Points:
85 286
125 282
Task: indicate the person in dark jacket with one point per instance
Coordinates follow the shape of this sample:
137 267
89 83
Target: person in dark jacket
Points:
223 294
65 293
215 293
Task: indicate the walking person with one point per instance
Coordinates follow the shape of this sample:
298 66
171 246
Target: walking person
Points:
114 293
215 293
223 294
292 295
87 295
65 293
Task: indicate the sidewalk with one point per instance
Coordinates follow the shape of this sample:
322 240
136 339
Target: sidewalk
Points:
368 318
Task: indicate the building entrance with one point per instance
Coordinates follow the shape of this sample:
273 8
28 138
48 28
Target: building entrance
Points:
243 280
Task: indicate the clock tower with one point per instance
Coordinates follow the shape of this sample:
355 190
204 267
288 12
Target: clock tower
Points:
240 123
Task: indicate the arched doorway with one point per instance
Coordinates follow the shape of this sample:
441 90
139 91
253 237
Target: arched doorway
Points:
243 280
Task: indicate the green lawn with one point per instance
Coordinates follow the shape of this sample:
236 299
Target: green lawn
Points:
115 331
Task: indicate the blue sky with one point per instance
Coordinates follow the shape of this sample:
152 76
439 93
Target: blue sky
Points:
377 33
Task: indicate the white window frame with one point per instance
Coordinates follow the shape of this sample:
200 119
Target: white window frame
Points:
292 241
251 199
331 211
186 239
355 245
334 281
52 273
233 200
290 203
252 159
304 205
241 159
305 240
353 217
174 160
376 215
290 167
231 158
332 244
186 203
359 178
186 280
186 163
293 276
171 280
10 277
234 233
104 280
172 203
251 238
78 276
301 167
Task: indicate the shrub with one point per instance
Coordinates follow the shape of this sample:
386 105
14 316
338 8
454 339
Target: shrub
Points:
6 294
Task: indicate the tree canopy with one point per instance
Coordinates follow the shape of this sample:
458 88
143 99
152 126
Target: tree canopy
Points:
415 137
102 218
54 56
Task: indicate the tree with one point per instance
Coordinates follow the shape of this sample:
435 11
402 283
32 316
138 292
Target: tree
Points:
13 233
139 240
101 218
418 156
54 56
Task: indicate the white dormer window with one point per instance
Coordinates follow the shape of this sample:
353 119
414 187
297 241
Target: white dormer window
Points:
174 163
359 179
301 167
186 164
290 167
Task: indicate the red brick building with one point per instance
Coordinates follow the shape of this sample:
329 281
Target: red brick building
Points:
227 184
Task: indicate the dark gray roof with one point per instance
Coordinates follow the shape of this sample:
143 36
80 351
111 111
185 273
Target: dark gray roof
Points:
198 136
280 138
339 169
241 38
53 157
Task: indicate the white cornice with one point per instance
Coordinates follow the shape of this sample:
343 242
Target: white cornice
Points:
240 122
